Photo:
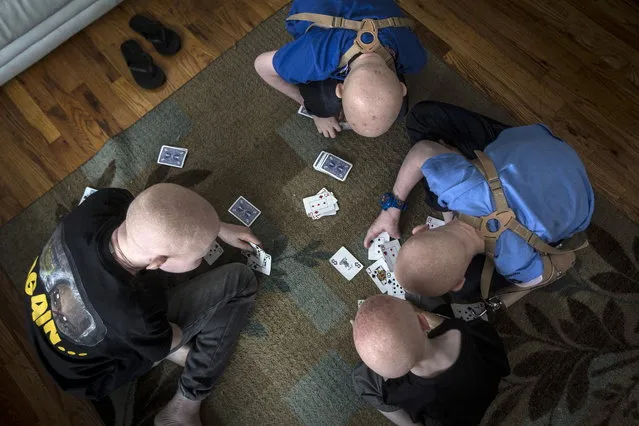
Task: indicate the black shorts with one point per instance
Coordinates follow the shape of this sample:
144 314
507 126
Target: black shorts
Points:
462 129
320 98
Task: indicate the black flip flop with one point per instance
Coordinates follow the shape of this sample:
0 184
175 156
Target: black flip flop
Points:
145 72
167 42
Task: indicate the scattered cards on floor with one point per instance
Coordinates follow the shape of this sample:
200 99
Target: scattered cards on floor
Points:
244 211
374 251
172 156
332 165
87 191
382 274
321 204
379 273
214 253
304 112
258 260
346 264
433 223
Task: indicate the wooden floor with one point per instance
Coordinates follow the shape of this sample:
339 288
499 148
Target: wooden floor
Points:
572 64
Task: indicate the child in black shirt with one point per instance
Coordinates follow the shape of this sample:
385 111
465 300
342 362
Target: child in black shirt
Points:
420 369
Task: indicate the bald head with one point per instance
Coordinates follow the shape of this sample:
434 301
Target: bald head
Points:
171 221
372 96
388 335
433 262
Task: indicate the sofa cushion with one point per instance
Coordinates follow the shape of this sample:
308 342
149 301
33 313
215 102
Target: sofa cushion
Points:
17 17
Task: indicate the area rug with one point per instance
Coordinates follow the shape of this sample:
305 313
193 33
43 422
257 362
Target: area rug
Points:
573 347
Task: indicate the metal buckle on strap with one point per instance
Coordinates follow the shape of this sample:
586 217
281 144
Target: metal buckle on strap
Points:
492 305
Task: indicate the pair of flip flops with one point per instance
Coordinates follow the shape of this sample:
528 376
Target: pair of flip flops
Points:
167 42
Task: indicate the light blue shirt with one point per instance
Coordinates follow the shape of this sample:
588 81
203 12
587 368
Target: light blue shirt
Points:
545 183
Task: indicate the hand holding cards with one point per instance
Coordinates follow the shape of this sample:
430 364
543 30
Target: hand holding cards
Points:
332 165
382 271
322 204
433 223
258 260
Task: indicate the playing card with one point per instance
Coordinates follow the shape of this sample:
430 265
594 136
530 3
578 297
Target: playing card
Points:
244 211
390 250
302 111
87 191
319 160
264 267
433 223
394 288
359 303
379 273
214 253
172 156
258 252
322 204
345 126
346 263
374 251
335 167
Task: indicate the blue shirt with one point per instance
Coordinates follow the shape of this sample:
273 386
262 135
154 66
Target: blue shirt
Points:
315 55
545 184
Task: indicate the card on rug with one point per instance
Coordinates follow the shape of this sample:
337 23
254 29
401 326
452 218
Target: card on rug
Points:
87 192
214 253
172 156
379 273
244 211
394 288
345 263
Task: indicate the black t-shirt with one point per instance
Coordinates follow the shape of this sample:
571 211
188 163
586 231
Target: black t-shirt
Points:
461 394
94 325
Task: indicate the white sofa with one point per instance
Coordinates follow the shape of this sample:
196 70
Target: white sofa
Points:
30 29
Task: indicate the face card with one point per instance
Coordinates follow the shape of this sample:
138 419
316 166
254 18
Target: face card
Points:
263 267
336 167
244 211
302 111
433 223
87 191
379 273
394 288
374 251
345 263
390 251
172 156
214 253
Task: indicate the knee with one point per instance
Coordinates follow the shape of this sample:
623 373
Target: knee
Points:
361 380
246 279
264 63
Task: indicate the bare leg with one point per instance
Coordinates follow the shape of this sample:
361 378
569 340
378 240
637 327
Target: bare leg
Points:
180 411
179 356
266 70
399 417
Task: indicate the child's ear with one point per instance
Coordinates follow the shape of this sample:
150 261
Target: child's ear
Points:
404 89
156 263
459 285
339 89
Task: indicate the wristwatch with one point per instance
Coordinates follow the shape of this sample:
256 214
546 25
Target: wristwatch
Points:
389 200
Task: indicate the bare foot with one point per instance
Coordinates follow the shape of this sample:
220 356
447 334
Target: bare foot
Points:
179 412
328 126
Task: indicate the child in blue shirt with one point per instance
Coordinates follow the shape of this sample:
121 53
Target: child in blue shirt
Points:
544 182
366 90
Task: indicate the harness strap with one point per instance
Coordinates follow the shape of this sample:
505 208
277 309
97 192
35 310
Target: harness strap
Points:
504 218
365 26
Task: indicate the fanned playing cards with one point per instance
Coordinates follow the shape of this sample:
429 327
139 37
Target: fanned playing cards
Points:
258 260
385 251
